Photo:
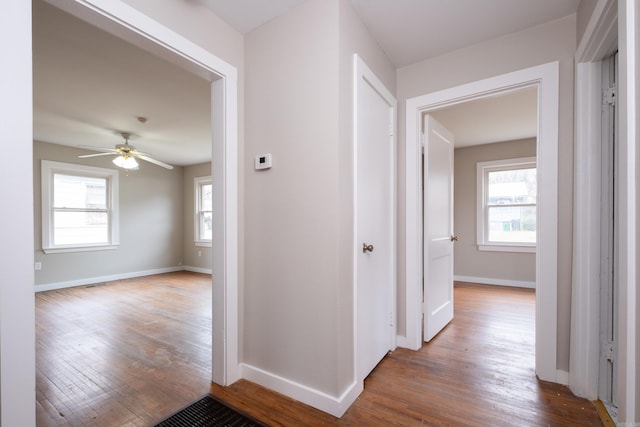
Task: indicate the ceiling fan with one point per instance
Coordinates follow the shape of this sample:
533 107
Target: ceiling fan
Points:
126 154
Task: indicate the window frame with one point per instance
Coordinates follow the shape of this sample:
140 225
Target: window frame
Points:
482 209
198 182
49 169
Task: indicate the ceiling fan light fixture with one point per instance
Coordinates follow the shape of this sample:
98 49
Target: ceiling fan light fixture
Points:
126 162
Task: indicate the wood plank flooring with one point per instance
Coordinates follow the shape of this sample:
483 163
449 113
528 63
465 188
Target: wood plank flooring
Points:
134 351
479 371
126 353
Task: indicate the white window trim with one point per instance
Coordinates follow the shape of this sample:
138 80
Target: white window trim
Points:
197 182
48 168
481 212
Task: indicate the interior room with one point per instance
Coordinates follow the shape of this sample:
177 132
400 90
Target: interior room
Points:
270 127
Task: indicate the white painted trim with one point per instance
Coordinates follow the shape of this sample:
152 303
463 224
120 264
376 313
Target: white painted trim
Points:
600 36
546 78
496 282
117 17
584 353
102 279
598 41
198 269
361 72
627 181
335 406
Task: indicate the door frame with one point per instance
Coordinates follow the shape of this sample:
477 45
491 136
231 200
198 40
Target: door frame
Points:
126 22
599 41
363 72
546 78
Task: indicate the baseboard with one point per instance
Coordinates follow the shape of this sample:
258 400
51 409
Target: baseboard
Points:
335 406
101 279
198 269
497 282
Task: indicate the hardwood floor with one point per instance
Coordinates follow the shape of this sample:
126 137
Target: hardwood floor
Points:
126 353
134 351
477 372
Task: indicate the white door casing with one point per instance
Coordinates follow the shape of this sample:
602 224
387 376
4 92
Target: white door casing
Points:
438 227
375 230
546 78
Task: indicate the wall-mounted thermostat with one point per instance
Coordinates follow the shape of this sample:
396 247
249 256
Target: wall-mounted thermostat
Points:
263 161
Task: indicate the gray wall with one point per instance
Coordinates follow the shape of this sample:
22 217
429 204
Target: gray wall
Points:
469 261
151 222
198 257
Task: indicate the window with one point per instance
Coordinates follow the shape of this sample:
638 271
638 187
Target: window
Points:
79 208
204 211
507 205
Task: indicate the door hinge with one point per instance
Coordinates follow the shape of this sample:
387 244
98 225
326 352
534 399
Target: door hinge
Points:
608 352
609 96
390 319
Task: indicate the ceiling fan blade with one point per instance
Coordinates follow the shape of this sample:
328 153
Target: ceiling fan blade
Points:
101 149
152 160
84 156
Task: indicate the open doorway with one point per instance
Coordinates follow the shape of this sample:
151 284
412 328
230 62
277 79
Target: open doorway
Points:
220 83
493 235
545 79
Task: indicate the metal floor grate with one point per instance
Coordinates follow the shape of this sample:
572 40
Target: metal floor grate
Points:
207 412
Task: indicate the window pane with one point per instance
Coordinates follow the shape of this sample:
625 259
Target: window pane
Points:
512 186
82 192
80 228
207 201
512 224
206 222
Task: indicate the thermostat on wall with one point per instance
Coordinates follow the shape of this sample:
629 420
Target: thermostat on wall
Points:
263 161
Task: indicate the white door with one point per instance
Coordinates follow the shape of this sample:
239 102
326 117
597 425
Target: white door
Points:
375 221
438 237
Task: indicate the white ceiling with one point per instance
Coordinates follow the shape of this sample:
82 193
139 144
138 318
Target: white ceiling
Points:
88 85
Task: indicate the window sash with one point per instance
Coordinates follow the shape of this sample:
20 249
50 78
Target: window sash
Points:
203 229
495 236
74 228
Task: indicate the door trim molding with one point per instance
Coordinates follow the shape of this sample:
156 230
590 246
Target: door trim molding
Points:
598 41
546 78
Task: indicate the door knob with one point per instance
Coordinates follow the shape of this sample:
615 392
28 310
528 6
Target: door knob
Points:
454 238
367 248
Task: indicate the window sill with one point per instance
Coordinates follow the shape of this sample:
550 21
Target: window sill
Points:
507 248
203 244
60 250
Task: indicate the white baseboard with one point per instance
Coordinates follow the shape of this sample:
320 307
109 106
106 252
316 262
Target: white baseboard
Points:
335 406
198 269
497 282
101 279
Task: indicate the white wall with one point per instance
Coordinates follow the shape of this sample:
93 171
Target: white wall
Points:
534 46
198 257
151 222
298 296
498 267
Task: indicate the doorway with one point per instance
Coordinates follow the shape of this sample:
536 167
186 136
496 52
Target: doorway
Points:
136 28
545 78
